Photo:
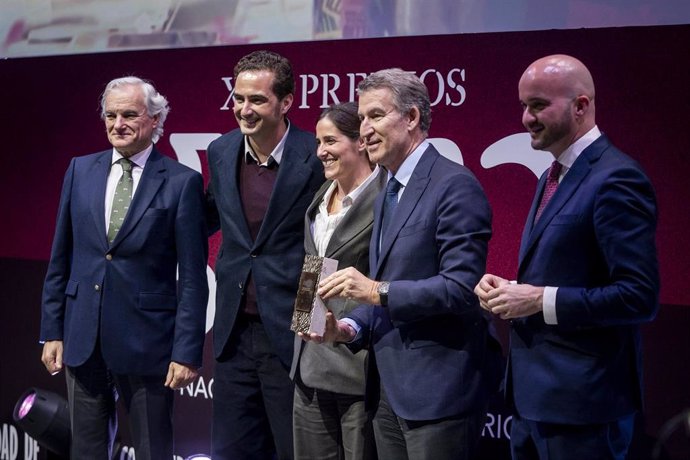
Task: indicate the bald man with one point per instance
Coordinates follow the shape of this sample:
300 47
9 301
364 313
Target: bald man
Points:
587 278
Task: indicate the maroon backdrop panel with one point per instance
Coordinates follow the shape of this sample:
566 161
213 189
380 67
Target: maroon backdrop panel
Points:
50 114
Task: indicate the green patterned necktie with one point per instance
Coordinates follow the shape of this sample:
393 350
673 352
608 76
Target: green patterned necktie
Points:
121 200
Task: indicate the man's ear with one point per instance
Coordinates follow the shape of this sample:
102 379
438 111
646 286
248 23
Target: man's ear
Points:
286 103
413 118
582 105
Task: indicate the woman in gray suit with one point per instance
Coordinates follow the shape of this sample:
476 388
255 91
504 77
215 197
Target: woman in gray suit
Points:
329 418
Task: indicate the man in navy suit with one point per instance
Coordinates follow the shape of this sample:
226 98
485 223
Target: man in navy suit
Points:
263 177
422 323
113 312
587 277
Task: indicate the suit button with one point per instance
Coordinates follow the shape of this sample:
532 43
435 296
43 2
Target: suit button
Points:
97 287
109 257
252 255
239 285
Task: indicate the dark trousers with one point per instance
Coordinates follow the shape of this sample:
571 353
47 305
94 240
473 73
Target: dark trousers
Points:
252 399
531 440
453 438
92 393
331 426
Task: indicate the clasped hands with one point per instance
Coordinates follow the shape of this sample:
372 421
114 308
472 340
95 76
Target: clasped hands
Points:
507 300
349 284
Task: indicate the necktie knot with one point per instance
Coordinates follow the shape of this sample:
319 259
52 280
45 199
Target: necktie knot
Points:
126 165
393 187
555 170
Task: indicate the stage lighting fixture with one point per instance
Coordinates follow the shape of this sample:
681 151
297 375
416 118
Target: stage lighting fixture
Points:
44 416
198 457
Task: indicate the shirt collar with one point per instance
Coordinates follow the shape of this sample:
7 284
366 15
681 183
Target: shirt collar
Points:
275 156
407 167
351 197
569 155
138 159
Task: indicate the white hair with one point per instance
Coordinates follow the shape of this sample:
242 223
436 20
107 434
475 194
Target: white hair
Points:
156 103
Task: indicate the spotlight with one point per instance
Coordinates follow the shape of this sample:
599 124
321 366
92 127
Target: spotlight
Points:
198 457
44 416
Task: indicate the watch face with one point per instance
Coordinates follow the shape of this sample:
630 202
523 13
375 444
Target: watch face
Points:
383 293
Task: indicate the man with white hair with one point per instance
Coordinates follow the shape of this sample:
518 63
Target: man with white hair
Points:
113 313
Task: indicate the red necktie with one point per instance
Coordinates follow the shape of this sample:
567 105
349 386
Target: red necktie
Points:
549 188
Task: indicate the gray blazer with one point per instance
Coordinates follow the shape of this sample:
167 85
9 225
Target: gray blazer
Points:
333 367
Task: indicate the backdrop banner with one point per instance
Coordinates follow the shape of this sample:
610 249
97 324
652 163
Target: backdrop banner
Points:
50 113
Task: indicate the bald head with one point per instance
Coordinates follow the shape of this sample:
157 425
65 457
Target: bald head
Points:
565 72
557 93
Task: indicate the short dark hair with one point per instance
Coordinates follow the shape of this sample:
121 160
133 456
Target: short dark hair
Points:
344 116
284 81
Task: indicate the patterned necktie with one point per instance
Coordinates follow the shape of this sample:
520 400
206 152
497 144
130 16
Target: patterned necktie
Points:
389 204
549 188
121 200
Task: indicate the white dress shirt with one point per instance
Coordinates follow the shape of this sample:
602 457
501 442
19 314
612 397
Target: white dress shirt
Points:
138 162
324 224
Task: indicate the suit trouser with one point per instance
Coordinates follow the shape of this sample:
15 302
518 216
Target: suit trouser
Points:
252 399
452 438
530 440
331 426
92 393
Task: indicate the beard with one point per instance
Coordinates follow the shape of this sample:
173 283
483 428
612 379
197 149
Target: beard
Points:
553 132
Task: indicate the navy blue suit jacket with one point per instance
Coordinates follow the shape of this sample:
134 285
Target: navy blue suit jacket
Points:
595 241
126 293
432 346
275 259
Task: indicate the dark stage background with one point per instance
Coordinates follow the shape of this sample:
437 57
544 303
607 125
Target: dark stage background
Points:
50 114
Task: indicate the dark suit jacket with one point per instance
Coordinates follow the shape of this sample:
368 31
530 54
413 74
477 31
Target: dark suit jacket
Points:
275 258
432 346
126 294
333 367
595 242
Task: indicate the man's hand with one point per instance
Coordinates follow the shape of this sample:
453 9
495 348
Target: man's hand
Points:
180 375
487 284
336 331
507 300
52 356
350 284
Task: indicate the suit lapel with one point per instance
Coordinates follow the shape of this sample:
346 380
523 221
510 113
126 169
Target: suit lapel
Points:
529 223
95 185
408 202
309 244
566 189
355 221
293 174
376 231
228 192
153 177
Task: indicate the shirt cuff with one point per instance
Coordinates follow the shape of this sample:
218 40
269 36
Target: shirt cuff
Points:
549 305
354 326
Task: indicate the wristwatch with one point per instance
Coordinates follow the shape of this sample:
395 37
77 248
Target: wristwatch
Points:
382 290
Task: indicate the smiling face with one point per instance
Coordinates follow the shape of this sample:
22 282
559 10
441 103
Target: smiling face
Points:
341 156
127 123
387 133
547 115
259 112
557 97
